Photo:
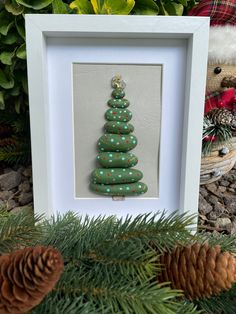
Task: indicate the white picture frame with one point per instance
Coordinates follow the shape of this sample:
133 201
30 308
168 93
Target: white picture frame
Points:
54 42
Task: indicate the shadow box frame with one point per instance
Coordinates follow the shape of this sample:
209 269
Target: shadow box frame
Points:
55 37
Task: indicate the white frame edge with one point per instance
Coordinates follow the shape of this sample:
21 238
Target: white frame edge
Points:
194 29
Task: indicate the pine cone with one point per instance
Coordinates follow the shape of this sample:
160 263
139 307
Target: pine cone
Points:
198 270
27 276
222 116
229 81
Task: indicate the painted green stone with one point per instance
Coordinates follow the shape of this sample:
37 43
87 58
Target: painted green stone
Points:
122 115
118 93
115 175
116 142
118 103
129 189
117 160
118 127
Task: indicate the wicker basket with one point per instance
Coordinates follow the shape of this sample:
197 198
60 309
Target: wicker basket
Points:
213 166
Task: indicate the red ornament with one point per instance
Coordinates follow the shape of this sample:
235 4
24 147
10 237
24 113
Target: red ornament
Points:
210 138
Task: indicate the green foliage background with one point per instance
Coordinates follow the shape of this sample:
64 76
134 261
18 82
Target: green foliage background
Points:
14 105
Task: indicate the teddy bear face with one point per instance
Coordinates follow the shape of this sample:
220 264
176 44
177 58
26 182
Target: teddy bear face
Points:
220 76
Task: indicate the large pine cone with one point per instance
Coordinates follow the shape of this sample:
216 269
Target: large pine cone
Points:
27 276
198 270
222 116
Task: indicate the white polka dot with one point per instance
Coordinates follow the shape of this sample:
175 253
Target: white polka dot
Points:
99 144
117 143
102 148
112 140
118 122
98 157
123 158
101 172
119 175
124 170
140 186
123 138
134 142
110 160
125 120
110 155
125 127
131 137
128 188
130 172
124 110
112 170
108 190
121 189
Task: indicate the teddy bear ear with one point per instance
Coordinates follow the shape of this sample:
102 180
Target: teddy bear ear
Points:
222 38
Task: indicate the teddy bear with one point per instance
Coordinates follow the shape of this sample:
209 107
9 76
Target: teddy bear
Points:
219 123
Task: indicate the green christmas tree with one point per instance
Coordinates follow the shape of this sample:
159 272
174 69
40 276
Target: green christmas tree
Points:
115 176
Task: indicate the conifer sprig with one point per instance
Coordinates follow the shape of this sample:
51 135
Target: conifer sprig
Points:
18 230
222 304
226 242
111 264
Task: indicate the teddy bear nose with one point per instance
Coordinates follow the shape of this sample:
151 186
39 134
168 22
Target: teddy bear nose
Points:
229 81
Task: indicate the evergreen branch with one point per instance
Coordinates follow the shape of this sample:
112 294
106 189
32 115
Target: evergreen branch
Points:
222 304
188 308
120 295
110 263
54 304
15 144
116 242
77 240
15 153
143 265
17 230
157 231
8 141
5 130
226 242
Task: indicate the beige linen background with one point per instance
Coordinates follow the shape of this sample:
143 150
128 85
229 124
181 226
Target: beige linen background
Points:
91 91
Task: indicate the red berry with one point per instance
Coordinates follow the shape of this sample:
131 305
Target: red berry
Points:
221 103
210 138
